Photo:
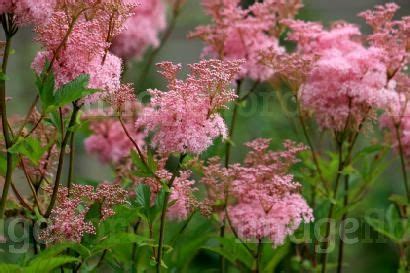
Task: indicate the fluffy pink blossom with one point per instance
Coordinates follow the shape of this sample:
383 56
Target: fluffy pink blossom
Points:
266 200
391 35
76 43
185 119
141 30
358 75
28 11
67 220
109 141
238 33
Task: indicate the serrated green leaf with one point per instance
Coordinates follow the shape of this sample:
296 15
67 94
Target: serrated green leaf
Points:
142 169
29 147
45 85
47 265
73 91
233 251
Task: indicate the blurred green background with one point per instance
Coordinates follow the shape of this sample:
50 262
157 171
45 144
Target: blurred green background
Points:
260 117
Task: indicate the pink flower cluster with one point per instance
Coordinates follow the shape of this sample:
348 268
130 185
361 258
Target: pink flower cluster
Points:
393 36
358 75
67 219
185 119
109 141
76 41
238 33
267 202
28 11
141 30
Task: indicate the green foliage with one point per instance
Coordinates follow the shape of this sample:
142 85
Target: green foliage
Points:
68 93
29 147
393 226
144 170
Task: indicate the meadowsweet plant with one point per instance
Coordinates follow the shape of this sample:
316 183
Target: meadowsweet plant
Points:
184 182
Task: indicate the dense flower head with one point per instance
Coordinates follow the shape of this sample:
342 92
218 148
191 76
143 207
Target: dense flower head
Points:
266 200
238 33
141 30
391 35
67 220
358 75
185 119
109 141
28 11
76 41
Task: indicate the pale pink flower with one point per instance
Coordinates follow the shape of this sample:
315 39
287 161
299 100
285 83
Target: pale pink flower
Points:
266 199
391 35
28 11
238 33
185 119
109 141
140 30
346 82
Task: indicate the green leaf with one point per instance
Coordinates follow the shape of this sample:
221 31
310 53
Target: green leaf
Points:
3 76
143 196
55 250
142 169
122 238
45 84
73 91
233 251
47 265
10 268
29 147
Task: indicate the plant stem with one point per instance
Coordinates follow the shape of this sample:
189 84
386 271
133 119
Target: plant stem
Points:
258 256
341 239
228 147
4 122
164 39
134 249
325 244
164 212
71 164
403 162
66 138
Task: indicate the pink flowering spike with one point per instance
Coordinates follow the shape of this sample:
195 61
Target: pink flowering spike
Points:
358 73
238 33
141 30
393 36
185 118
266 199
76 41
